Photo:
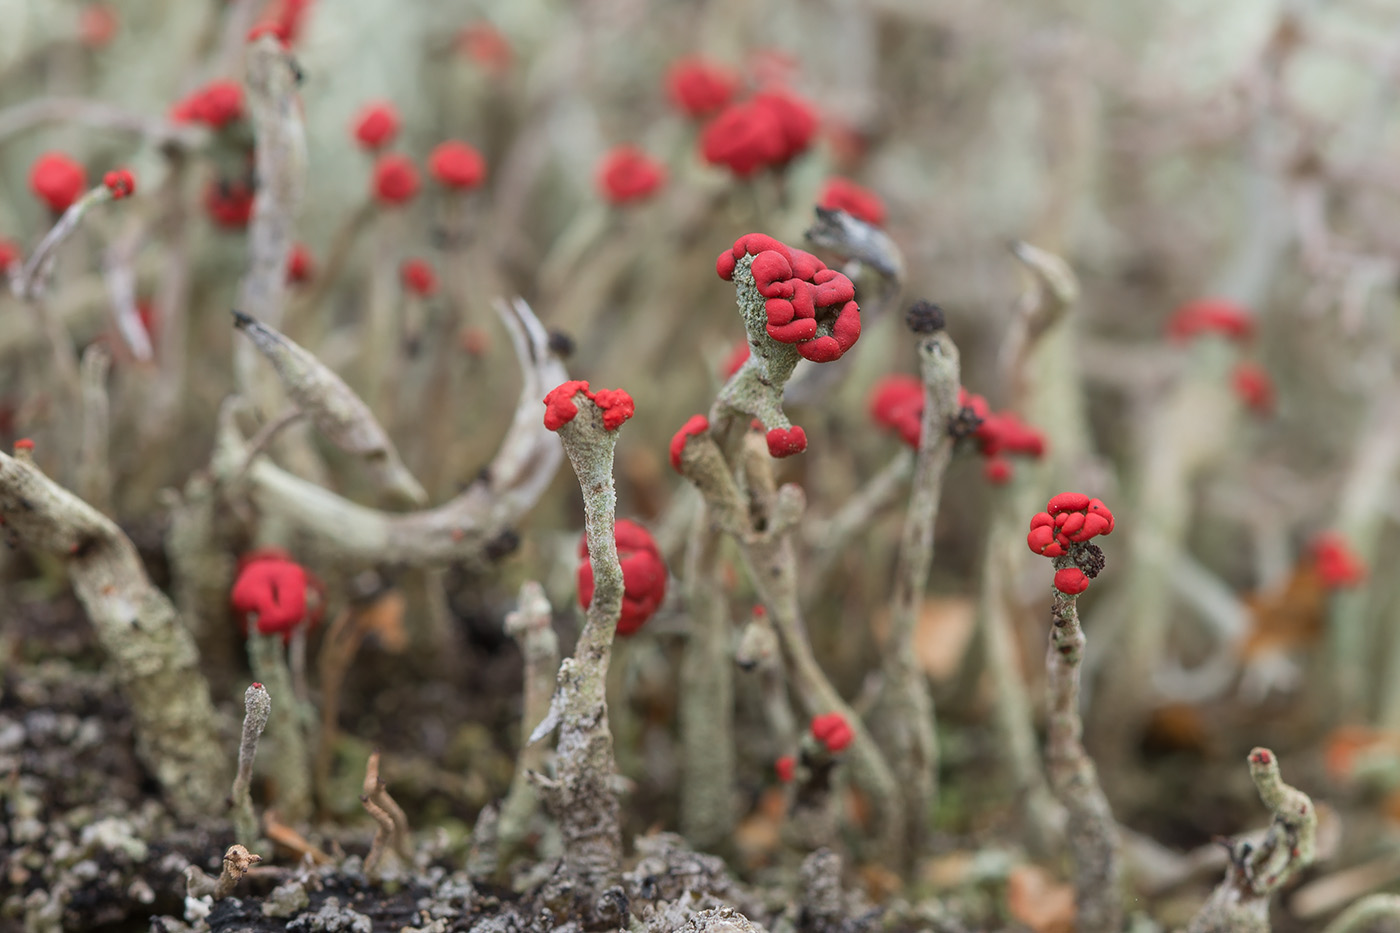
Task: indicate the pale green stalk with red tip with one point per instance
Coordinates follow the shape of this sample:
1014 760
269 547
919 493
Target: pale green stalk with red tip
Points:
1062 532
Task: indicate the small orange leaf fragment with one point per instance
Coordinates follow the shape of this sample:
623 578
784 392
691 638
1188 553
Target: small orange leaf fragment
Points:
1037 900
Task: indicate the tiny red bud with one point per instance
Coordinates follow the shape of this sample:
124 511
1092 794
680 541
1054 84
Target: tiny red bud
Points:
395 179
457 165
376 125
998 471
786 768
418 278
24 443
1253 387
832 730
300 265
485 45
120 183
699 87
627 175
97 24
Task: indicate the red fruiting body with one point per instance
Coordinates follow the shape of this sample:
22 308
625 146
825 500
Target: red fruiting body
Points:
1211 316
300 265
229 204
376 126
696 425
1071 581
57 180
120 183
832 730
742 138
1254 388
997 471
699 88
456 164
628 174
785 442
768 130
484 44
1261 756
785 767
617 407
794 117
418 278
842 194
1336 562
217 104
897 403
809 305
272 588
24 443
559 408
643 575
97 24
9 254
1067 502
395 179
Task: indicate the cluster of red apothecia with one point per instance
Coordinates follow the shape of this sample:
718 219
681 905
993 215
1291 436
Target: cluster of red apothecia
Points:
559 406
1224 318
830 730
807 305
453 164
1069 522
766 130
643 575
897 403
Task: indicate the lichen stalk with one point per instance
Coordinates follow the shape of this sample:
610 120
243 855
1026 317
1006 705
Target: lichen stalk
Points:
706 696
531 625
289 764
257 705
1092 834
582 796
148 649
771 564
906 719
1240 904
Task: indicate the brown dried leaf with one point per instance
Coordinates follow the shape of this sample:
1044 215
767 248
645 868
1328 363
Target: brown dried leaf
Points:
942 634
1037 900
759 834
1288 617
383 619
